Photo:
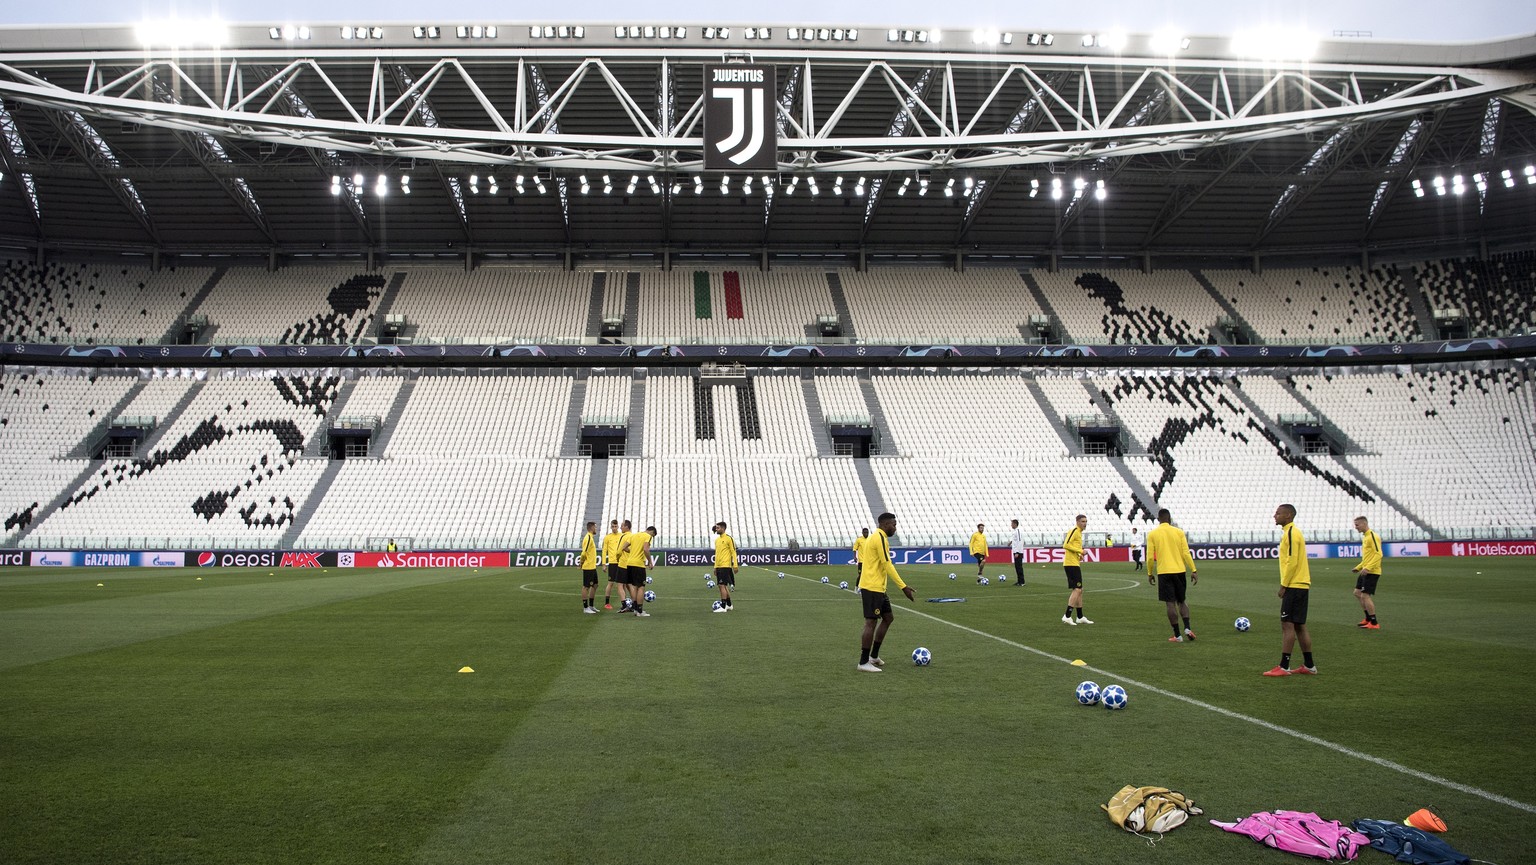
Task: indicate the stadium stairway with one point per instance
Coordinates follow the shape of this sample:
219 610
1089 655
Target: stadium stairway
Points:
570 438
887 441
840 304
595 306
1073 446
68 491
631 305
173 336
387 300
86 447
1409 277
813 412
872 495
396 411
597 484
634 433
147 447
1226 305
319 444
1057 327
312 502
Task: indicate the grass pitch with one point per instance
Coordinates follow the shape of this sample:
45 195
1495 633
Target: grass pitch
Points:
290 716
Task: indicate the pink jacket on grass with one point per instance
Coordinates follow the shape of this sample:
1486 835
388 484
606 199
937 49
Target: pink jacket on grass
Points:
1300 832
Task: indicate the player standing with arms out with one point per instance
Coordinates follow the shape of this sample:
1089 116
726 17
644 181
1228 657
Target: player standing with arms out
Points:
1170 551
1136 551
1369 570
1072 563
611 560
858 555
588 564
1295 585
726 564
979 549
1016 546
872 585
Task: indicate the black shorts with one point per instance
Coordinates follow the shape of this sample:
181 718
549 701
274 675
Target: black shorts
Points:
1135 555
1366 582
979 557
1293 606
1074 576
1171 587
725 576
615 573
636 575
876 604
589 578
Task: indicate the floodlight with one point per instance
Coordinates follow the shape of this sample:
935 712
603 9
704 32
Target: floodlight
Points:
1115 40
1167 42
535 32
620 31
837 186
792 33
490 31
949 188
1048 39
1088 40
1056 188
1099 192
815 190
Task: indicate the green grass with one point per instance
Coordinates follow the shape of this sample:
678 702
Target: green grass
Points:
288 716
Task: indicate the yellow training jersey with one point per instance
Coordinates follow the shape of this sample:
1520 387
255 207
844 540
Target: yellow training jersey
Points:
725 552
978 544
1168 551
639 549
611 548
633 540
1370 552
858 549
877 564
1072 548
1295 572
589 552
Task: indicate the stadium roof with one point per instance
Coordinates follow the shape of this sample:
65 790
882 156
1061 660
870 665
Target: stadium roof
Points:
532 140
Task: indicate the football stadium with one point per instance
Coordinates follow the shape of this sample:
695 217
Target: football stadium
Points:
325 345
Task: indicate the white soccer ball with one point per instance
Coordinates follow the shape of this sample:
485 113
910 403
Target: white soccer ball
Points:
717 605
649 596
1114 697
708 575
1242 623
921 656
648 581
709 584
843 585
781 575
984 581
825 581
1088 693
951 576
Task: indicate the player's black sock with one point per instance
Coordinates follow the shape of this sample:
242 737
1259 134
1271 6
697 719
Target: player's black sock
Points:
1306 658
1068 613
1371 617
1080 612
1175 628
1285 660
874 649
1186 623
863 657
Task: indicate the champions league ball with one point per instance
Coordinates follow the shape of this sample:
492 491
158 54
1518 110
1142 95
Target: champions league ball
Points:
921 656
825 581
1242 623
1088 693
951 576
648 581
649 596
781 575
717 606
1114 697
843 585
709 584
984 581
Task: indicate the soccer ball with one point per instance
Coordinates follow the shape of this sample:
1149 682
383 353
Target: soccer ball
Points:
781 575
649 596
984 581
951 576
717 605
1242 623
709 584
843 585
1114 697
921 656
1088 693
648 581
825 581
708 575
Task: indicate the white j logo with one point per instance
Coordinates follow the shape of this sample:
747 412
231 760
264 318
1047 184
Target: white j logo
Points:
739 123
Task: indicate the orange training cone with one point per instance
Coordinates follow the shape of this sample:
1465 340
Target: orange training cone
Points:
1426 820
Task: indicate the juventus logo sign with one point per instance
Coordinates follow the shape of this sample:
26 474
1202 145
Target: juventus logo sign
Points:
739 129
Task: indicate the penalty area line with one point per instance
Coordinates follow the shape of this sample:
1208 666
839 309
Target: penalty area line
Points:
1239 716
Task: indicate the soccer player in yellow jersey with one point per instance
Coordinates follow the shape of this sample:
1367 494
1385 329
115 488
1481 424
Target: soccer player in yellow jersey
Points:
588 564
637 552
979 548
1369 570
858 555
611 559
872 585
1072 563
726 564
1169 562
1295 585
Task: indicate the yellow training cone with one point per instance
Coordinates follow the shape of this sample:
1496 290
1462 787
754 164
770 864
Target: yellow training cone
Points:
99 585
1079 663
466 669
199 579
